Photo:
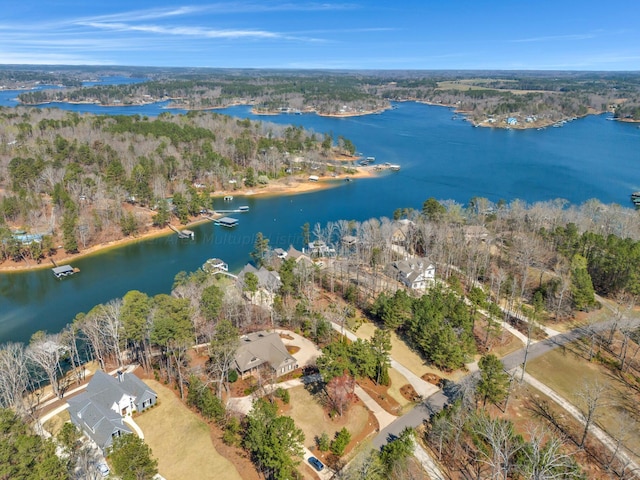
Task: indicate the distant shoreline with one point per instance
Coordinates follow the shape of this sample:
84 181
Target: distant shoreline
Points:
175 104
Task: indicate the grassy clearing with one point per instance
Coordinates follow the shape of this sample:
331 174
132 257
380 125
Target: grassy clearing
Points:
55 423
181 441
397 382
311 418
567 372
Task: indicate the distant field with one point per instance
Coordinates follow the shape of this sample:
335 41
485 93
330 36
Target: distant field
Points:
475 84
181 441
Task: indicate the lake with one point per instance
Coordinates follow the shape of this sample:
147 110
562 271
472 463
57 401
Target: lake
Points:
440 157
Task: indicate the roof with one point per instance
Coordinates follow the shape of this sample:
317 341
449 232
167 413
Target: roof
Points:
62 269
269 279
262 347
413 270
227 220
93 407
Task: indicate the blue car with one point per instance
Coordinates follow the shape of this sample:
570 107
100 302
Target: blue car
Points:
317 464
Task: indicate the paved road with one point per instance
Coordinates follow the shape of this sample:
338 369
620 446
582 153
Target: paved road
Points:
437 401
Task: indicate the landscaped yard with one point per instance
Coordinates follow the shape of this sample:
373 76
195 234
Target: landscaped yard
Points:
312 419
181 441
397 382
567 373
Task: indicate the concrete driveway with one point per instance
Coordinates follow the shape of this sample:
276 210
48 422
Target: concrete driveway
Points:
308 352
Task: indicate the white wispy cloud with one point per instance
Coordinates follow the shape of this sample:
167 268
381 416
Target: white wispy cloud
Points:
219 8
185 31
553 38
140 15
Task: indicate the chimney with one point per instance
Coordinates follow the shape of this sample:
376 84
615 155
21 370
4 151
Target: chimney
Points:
120 376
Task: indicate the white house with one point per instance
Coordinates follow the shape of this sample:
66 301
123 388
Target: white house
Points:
415 273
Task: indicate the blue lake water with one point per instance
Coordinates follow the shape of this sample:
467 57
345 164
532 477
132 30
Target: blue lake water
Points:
440 157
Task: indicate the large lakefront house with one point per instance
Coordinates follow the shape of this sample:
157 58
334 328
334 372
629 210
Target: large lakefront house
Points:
99 411
415 273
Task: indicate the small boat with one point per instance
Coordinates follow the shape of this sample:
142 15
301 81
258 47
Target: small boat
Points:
243 208
348 179
370 159
394 167
228 198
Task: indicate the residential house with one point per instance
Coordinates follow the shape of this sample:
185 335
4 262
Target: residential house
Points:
401 231
415 273
100 409
263 350
299 257
268 285
215 265
320 249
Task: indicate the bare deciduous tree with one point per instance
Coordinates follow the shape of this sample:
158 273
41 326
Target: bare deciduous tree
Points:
14 377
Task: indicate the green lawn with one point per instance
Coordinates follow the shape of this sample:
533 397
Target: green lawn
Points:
181 441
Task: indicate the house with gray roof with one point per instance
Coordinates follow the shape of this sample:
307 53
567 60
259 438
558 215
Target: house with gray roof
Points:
268 285
415 273
263 350
100 409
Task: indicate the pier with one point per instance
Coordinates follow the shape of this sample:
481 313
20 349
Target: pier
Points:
183 233
242 209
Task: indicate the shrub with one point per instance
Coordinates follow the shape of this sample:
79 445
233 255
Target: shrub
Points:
323 442
283 395
340 442
232 376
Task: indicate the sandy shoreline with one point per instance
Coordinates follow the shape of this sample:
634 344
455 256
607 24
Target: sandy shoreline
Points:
294 186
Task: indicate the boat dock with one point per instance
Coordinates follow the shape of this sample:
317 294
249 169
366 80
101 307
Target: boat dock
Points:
64 270
183 233
227 222
242 209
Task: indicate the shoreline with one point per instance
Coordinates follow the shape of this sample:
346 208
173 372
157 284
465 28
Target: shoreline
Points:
175 104
267 113
501 124
294 186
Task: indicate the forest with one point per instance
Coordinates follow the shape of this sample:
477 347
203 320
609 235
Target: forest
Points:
79 180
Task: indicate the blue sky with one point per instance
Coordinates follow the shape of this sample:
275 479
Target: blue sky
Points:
371 34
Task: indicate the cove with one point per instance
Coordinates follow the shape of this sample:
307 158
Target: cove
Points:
440 157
